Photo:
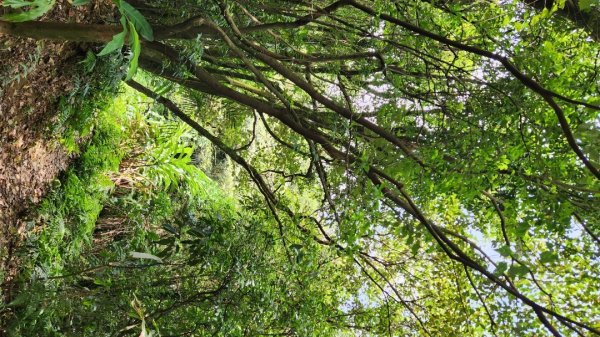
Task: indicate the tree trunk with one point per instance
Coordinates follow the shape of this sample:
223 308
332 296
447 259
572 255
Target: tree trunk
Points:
79 32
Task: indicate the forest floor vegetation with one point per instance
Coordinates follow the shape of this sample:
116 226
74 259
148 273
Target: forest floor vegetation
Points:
35 79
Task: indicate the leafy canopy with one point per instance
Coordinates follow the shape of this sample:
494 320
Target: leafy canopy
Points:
423 167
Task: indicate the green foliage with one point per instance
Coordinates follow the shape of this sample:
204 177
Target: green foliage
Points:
116 43
135 24
140 25
587 5
36 8
25 68
95 190
80 2
61 228
96 81
68 215
135 49
383 168
132 20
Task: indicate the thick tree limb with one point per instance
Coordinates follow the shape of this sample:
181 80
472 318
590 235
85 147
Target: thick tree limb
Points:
78 32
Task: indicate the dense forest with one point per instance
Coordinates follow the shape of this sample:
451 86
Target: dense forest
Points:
300 168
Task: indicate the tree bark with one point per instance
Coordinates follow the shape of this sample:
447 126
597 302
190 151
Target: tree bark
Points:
78 32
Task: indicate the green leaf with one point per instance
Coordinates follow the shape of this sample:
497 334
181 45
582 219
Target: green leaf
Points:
195 232
117 42
169 228
37 9
414 249
138 255
164 88
503 162
80 2
548 257
16 3
141 25
89 62
586 5
517 270
504 251
166 241
136 49
20 300
521 229
501 267
299 257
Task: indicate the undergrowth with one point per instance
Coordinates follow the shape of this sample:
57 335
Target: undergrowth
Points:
68 214
61 227
133 183
62 222
95 85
